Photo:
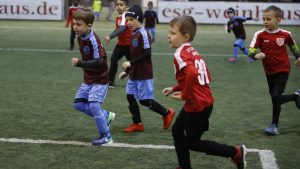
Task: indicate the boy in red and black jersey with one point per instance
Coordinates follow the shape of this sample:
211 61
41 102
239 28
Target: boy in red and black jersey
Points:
139 68
193 79
123 46
272 42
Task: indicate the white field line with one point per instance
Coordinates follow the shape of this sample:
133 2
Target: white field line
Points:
68 51
267 157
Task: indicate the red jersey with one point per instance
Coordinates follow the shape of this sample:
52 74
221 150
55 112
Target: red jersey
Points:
142 70
91 48
123 38
200 96
72 10
273 45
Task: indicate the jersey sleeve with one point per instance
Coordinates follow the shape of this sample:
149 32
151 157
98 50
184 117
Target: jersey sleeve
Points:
145 39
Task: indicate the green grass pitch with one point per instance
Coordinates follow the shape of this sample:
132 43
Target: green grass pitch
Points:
38 85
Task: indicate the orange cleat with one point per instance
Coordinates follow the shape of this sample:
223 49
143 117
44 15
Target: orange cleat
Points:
240 157
168 119
135 128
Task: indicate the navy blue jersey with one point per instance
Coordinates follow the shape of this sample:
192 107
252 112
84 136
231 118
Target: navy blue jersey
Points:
151 18
236 25
91 48
140 40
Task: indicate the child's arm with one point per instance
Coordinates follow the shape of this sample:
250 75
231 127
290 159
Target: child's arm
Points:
295 50
91 64
254 54
115 33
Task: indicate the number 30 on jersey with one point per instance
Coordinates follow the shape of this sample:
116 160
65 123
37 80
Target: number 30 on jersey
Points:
202 72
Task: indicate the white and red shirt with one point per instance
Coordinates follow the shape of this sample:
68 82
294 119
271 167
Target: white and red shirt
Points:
273 45
123 38
193 79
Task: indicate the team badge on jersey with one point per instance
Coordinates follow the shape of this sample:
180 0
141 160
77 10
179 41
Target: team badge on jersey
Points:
135 42
280 41
86 50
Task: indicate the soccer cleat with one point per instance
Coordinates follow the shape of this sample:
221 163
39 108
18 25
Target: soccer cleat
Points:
232 59
297 101
111 116
102 140
135 128
272 129
240 157
168 119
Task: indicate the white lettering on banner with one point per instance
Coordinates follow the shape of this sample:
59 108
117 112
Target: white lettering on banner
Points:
215 12
31 9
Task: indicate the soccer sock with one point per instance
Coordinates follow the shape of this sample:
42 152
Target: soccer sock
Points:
99 117
235 51
83 107
134 109
154 106
245 51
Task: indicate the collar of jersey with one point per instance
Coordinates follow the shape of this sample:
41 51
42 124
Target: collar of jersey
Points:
272 32
87 36
135 31
183 45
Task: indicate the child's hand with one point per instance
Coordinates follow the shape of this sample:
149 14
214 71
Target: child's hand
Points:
260 56
107 39
167 91
126 65
122 75
176 95
297 62
74 61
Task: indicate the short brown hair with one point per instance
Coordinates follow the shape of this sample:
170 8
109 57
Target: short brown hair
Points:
86 15
186 24
277 11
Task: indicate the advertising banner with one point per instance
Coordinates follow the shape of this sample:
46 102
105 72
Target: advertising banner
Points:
215 12
31 9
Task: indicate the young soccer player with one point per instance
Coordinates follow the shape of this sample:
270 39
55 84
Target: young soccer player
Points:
97 7
272 42
93 90
139 68
123 46
150 20
235 24
193 79
72 9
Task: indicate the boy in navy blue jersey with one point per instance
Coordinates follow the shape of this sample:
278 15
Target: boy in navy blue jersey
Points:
92 92
235 24
139 68
150 20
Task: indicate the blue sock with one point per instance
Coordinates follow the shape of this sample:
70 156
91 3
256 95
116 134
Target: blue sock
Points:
235 51
83 107
99 116
245 51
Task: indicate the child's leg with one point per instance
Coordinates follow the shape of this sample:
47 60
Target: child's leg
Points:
277 85
115 57
154 106
195 125
134 109
180 142
153 34
82 105
99 116
72 38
